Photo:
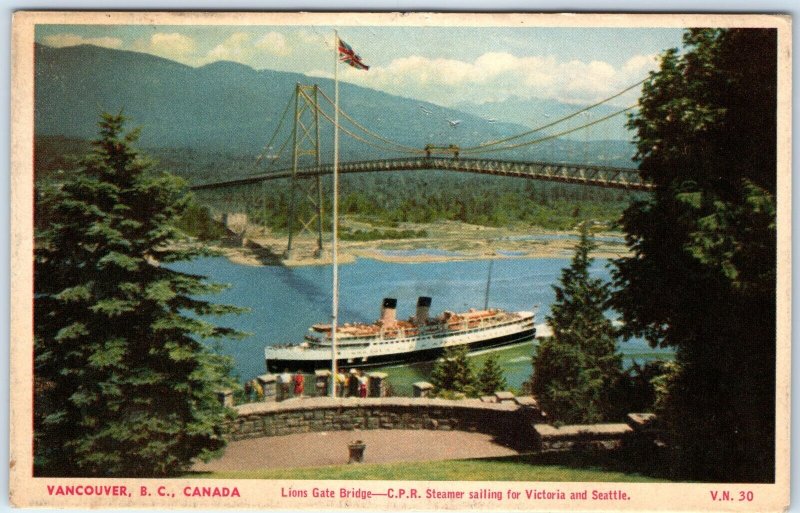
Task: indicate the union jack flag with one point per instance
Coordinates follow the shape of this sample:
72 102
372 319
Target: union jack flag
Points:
349 56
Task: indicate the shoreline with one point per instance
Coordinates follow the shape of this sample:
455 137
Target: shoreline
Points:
447 241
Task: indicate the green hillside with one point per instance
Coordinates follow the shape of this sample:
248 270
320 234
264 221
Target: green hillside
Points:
230 107
222 105
209 123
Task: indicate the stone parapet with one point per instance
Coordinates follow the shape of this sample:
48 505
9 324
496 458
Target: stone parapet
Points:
422 389
594 436
509 422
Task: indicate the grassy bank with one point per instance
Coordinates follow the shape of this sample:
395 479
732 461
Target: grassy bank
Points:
530 467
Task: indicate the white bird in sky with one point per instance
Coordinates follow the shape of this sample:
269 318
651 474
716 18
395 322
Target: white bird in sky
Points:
454 123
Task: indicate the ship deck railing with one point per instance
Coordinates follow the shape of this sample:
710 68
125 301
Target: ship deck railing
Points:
462 325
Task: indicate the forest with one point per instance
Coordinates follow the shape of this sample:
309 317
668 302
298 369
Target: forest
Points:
380 200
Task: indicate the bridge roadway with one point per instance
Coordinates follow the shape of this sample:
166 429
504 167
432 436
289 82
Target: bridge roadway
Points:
585 174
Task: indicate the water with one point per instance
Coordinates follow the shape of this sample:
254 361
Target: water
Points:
284 302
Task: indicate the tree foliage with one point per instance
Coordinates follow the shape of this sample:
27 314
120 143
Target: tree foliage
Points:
490 377
638 386
576 370
123 385
453 372
702 274
197 221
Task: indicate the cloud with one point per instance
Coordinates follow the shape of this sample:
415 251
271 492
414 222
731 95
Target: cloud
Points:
170 45
310 37
496 76
235 48
491 76
242 47
69 39
641 64
275 44
178 44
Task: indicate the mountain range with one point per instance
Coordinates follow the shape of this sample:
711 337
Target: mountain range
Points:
227 106
536 112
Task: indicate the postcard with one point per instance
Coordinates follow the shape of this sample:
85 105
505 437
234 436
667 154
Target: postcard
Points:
401 261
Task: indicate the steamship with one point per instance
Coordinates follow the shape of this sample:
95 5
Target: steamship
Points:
391 341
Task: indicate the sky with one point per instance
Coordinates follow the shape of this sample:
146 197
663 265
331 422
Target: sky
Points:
444 65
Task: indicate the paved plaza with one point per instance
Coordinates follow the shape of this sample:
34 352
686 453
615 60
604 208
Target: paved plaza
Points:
330 448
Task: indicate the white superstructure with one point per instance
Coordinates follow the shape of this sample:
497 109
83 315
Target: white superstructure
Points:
389 340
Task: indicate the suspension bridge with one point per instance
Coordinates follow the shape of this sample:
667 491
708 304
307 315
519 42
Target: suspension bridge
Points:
305 168
599 176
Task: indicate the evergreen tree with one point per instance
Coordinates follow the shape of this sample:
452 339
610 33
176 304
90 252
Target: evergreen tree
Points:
701 277
636 390
453 373
490 377
123 385
576 370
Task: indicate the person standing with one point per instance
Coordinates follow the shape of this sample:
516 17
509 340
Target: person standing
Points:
258 389
341 382
352 385
362 385
299 383
285 380
248 391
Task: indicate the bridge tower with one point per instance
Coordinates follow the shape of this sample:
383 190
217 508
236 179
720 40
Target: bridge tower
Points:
305 200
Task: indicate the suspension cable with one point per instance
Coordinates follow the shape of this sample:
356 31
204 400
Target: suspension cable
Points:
275 133
477 150
491 146
557 121
279 154
361 139
402 147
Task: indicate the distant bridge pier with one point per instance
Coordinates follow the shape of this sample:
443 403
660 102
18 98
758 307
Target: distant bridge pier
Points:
235 221
223 192
305 202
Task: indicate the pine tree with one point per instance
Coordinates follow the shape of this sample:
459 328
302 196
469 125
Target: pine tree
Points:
123 385
490 377
576 371
453 373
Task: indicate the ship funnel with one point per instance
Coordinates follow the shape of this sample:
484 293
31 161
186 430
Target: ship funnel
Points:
423 306
389 311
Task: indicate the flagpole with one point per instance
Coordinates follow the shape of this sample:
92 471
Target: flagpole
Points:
335 264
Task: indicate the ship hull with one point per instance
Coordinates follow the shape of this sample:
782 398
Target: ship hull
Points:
276 365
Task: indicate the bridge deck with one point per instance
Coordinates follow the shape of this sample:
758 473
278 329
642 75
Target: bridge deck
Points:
585 174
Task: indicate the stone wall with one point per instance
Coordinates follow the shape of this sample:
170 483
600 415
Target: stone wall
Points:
510 422
594 436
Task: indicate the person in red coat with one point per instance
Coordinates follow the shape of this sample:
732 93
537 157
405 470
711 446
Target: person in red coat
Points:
362 384
299 382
